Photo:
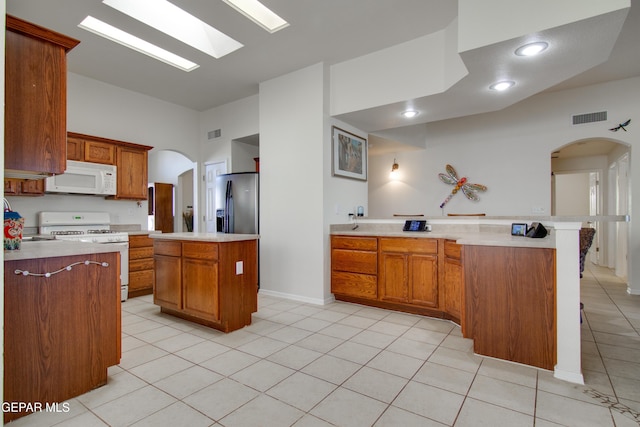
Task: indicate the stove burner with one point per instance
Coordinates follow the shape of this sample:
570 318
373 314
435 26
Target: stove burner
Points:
67 232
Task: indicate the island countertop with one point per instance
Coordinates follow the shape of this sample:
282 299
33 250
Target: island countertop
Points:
206 237
56 248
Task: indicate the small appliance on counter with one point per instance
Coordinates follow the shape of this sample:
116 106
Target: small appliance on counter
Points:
91 227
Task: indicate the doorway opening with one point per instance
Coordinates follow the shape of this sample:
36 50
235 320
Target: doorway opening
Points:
590 178
172 168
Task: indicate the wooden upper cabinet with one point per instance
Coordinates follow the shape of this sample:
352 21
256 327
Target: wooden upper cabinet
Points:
35 137
132 173
85 149
129 158
99 152
75 149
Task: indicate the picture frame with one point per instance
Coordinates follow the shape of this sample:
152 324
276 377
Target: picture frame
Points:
518 229
349 154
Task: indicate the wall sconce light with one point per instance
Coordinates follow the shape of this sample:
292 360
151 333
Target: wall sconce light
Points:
394 169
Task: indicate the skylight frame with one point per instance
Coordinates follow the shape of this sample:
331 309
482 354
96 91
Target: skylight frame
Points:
179 24
259 14
123 38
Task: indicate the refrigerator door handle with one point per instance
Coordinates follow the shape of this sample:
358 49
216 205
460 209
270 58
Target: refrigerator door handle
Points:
226 207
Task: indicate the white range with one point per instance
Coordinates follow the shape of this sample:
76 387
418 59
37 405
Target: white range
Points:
92 227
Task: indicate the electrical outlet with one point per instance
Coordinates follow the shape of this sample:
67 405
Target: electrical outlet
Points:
537 210
239 267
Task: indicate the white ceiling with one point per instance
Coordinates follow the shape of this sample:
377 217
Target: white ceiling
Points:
329 31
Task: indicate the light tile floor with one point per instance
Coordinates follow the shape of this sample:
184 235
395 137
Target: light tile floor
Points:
348 365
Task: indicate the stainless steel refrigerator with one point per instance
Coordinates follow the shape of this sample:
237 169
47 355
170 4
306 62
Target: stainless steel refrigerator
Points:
237 203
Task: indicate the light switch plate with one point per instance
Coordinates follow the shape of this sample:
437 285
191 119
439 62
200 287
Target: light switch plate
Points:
239 267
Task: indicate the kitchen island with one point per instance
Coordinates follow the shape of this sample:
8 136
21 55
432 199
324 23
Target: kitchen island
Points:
207 278
518 297
62 322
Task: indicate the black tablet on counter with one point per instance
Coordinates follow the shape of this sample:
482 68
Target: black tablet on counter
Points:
415 225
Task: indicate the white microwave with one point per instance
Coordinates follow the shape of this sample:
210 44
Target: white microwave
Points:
84 178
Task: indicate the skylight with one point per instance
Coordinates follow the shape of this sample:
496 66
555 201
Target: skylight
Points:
116 35
177 23
259 13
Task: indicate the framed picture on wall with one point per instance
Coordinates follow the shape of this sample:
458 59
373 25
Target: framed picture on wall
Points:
349 155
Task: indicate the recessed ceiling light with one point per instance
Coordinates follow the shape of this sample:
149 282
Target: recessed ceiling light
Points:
500 86
409 114
179 24
532 49
259 13
117 35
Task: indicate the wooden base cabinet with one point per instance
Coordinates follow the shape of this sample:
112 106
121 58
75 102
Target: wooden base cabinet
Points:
409 271
510 303
354 266
211 283
62 332
453 281
393 273
140 265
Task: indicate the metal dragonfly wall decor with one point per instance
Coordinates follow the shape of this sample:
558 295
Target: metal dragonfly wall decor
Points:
468 189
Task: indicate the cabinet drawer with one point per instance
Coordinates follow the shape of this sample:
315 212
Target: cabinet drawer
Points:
167 248
356 285
140 279
200 250
365 262
405 245
360 243
140 241
452 249
141 264
139 253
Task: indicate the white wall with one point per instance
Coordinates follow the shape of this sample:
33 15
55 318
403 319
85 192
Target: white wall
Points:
242 155
509 152
235 120
292 110
572 194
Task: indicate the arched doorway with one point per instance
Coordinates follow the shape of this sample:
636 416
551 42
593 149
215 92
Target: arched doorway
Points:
590 178
175 168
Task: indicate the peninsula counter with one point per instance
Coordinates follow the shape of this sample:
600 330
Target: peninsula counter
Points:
494 270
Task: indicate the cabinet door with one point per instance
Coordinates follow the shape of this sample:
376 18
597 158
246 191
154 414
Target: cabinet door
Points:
32 187
453 287
453 281
75 149
166 286
99 152
423 280
35 101
200 286
393 279
132 173
11 187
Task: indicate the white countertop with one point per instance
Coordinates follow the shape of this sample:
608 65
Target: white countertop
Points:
56 248
461 237
206 237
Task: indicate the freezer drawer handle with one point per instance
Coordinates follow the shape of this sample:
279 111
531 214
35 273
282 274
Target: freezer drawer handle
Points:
67 268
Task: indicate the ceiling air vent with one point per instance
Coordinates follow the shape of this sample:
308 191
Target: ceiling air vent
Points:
213 134
580 119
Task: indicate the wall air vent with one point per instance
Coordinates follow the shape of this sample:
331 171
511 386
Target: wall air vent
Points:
580 119
213 134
